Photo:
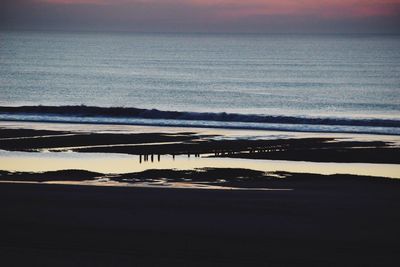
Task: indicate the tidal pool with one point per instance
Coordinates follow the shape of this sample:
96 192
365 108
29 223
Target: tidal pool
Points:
110 163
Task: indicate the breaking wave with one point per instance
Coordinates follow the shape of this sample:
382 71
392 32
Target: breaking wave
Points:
136 116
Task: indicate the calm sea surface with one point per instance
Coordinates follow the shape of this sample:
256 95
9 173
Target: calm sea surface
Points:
346 76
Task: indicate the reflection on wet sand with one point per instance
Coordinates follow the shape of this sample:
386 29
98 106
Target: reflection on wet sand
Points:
206 178
186 158
178 185
120 163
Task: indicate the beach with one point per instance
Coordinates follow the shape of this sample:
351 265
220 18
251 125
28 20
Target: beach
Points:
212 216
181 147
343 224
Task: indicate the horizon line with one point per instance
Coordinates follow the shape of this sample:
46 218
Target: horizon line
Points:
7 29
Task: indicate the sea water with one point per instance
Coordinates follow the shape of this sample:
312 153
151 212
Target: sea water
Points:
334 77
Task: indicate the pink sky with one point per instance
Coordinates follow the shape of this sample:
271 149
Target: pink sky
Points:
268 7
199 15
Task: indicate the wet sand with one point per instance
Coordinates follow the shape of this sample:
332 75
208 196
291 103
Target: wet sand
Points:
311 220
229 178
319 223
315 149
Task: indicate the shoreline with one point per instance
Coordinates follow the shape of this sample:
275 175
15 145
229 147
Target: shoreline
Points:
317 149
253 217
230 133
215 125
149 148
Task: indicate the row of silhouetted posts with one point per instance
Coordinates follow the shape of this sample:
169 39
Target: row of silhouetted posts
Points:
222 152
147 157
144 158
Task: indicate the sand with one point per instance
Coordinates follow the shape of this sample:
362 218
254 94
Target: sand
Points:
333 224
335 220
315 149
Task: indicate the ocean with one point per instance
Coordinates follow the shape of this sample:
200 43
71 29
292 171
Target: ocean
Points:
321 83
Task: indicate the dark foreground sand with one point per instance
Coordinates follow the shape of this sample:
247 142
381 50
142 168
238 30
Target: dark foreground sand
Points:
322 224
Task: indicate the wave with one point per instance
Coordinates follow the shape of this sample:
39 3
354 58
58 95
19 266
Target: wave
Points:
123 115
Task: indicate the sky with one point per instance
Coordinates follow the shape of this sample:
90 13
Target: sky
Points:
230 16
